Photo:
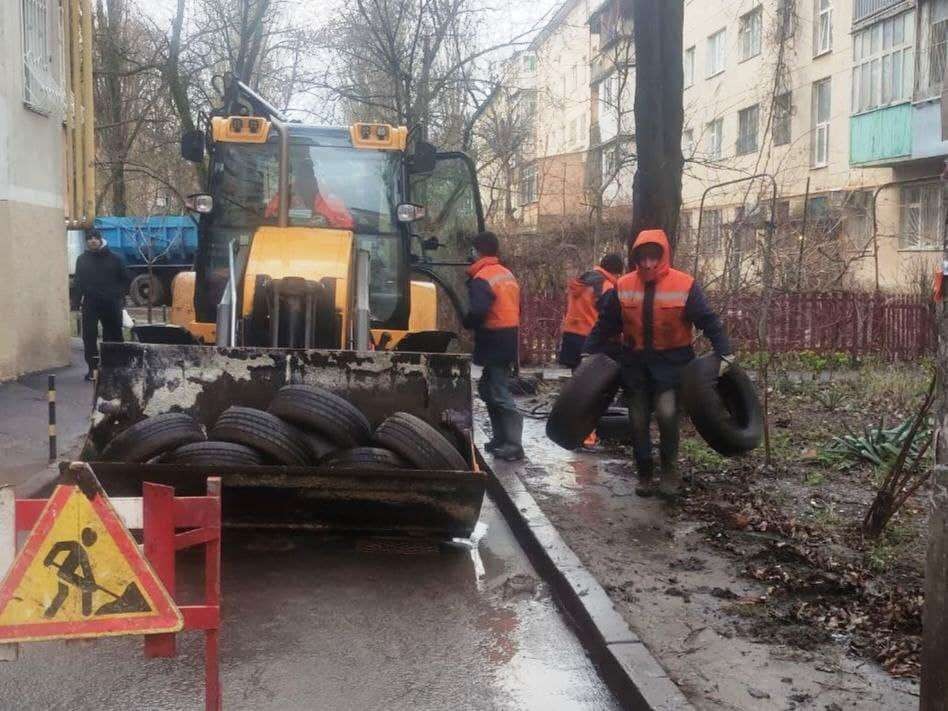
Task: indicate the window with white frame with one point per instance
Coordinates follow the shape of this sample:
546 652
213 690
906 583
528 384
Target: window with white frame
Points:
748 123
932 49
822 27
687 142
716 138
37 59
922 216
783 110
884 63
607 96
530 62
689 66
749 33
717 52
712 231
575 76
822 106
528 184
582 127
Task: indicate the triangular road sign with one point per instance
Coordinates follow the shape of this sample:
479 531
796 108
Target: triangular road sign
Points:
80 574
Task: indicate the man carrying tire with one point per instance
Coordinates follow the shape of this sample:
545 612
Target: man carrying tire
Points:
494 316
102 281
654 310
583 300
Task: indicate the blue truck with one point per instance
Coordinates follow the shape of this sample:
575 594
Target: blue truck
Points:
168 242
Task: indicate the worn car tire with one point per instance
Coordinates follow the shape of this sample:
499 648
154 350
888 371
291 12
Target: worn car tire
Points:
152 437
316 409
369 458
419 443
317 446
614 426
583 400
210 453
261 431
725 411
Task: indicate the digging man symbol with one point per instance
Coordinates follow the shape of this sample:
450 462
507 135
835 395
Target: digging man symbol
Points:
76 570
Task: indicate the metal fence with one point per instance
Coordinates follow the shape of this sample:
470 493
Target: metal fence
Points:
893 327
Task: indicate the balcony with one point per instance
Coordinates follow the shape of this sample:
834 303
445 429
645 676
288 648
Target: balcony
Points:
882 136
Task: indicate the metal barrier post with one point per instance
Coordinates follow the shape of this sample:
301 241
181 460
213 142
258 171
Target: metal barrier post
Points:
158 534
51 397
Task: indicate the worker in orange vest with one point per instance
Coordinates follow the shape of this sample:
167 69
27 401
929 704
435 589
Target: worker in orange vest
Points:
306 197
494 316
654 309
583 296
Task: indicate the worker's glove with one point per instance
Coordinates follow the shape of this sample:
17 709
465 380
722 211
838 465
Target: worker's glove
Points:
726 362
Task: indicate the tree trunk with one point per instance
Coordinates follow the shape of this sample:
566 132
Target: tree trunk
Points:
659 116
934 689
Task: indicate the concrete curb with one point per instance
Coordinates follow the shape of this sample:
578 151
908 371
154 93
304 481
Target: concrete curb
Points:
633 675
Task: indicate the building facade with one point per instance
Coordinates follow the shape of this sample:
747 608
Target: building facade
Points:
33 272
836 103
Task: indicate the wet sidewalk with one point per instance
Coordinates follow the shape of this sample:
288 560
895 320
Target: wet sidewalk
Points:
24 415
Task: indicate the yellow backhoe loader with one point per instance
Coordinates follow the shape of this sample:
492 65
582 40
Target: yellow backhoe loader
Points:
324 254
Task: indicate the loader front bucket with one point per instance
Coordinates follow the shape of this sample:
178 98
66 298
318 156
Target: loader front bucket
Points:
142 380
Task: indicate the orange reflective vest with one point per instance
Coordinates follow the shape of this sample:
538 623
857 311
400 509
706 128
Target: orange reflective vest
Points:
670 327
504 312
581 297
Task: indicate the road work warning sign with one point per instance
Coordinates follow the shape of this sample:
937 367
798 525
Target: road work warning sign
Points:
80 574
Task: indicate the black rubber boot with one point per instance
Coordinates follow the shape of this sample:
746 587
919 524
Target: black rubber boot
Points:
647 485
512 427
496 430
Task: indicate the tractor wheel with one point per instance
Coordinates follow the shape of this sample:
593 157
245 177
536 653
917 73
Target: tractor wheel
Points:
143 290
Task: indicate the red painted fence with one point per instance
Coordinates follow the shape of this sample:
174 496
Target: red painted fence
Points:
894 327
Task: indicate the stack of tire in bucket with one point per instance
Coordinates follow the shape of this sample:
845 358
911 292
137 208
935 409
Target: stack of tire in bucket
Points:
304 425
724 410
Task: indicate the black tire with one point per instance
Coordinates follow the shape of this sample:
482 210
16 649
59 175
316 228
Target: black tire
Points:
317 446
316 409
368 458
214 454
725 411
583 400
152 437
419 443
261 431
141 290
614 426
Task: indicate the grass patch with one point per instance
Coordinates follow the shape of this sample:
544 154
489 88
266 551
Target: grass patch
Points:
815 478
889 547
700 455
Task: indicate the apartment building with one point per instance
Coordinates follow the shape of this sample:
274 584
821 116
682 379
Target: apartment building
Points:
549 82
33 282
837 102
822 96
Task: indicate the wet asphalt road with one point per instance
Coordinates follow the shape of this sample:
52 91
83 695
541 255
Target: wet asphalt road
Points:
317 623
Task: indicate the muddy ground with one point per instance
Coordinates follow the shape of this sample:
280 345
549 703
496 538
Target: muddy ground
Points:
757 590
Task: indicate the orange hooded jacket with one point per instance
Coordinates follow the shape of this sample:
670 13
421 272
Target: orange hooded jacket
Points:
582 295
670 327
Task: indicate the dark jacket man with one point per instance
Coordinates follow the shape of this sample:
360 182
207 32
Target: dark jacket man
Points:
494 316
102 281
654 310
